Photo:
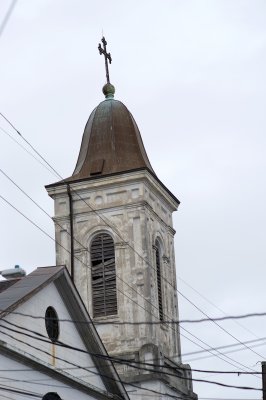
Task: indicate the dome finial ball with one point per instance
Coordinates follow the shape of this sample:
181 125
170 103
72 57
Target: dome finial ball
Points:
108 90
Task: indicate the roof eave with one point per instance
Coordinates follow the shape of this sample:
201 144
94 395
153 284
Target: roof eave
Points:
72 180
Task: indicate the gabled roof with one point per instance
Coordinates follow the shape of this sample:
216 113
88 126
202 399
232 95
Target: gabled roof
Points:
6 284
25 288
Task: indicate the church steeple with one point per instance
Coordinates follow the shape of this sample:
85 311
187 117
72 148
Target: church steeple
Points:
120 216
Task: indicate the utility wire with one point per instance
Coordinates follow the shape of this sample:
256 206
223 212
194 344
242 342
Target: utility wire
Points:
230 346
216 323
7 16
226 316
41 337
191 353
174 322
226 352
44 339
83 368
22 392
71 363
36 204
28 143
27 151
219 354
6 397
39 382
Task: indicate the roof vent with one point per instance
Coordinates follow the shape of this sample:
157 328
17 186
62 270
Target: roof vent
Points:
13 273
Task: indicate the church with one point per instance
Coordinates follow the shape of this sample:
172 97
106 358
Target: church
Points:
110 302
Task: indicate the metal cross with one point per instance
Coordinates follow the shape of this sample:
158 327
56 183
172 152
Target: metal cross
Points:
107 56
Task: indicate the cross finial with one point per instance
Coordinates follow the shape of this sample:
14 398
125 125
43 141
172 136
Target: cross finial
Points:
107 56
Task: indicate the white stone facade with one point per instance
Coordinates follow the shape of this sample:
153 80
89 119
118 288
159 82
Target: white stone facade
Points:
136 210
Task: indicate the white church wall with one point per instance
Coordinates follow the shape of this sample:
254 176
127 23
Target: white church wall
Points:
154 389
22 377
46 351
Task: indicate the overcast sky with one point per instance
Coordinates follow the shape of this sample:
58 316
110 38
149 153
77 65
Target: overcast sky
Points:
192 72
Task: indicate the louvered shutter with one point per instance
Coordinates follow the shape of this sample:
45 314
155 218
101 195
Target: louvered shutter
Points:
104 299
159 280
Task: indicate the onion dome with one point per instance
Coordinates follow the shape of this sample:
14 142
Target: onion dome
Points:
111 141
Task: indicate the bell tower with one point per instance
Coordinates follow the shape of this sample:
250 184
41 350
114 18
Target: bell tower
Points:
116 238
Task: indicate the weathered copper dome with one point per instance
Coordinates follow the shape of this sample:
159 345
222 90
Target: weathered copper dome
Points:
111 141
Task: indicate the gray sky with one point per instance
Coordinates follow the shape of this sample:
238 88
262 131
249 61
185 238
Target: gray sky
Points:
193 75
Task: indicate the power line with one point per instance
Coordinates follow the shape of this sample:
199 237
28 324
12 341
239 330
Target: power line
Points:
27 218
226 352
204 351
115 359
83 368
222 398
71 363
22 392
173 322
7 16
6 397
27 151
217 308
28 143
220 354
35 203
229 346
200 398
216 323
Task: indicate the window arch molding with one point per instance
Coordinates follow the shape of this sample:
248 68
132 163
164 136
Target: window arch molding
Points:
90 234
157 236
103 274
99 230
158 242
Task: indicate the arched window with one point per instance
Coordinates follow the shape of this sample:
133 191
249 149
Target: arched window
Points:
159 278
52 324
51 396
104 299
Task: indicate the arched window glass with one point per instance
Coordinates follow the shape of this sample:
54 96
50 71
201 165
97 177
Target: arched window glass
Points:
51 396
159 279
52 324
104 299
